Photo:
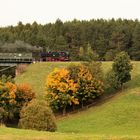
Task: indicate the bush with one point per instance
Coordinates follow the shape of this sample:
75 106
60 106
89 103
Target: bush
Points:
73 72
37 115
7 94
7 99
112 81
61 89
120 72
5 79
72 86
24 94
13 97
122 67
3 116
89 87
95 69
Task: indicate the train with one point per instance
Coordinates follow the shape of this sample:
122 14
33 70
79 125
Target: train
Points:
54 56
31 57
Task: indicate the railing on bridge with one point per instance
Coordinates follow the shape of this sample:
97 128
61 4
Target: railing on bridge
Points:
16 58
8 71
9 61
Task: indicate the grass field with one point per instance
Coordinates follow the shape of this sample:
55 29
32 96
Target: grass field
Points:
36 75
17 134
117 118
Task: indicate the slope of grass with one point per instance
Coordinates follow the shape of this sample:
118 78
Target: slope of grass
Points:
117 118
36 75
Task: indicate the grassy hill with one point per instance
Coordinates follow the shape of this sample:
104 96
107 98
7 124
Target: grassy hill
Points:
117 118
36 75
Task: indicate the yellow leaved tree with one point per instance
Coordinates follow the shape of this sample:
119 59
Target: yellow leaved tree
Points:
71 86
61 89
89 87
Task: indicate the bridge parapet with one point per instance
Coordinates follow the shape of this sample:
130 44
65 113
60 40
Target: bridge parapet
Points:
16 58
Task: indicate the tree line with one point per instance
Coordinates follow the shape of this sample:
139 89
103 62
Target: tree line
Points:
105 37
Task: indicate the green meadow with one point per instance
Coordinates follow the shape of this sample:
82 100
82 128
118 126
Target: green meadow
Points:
114 119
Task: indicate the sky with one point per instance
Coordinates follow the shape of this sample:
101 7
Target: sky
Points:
46 11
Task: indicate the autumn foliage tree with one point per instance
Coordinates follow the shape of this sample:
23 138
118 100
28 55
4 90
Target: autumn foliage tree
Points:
72 86
7 97
61 89
13 97
88 85
24 95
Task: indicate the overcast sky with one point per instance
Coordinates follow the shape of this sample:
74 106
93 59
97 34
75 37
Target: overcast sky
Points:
45 11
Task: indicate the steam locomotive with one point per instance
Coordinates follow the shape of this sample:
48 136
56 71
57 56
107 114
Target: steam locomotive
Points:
54 56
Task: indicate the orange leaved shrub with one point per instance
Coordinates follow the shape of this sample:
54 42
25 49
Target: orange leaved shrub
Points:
13 97
7 94
24 94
